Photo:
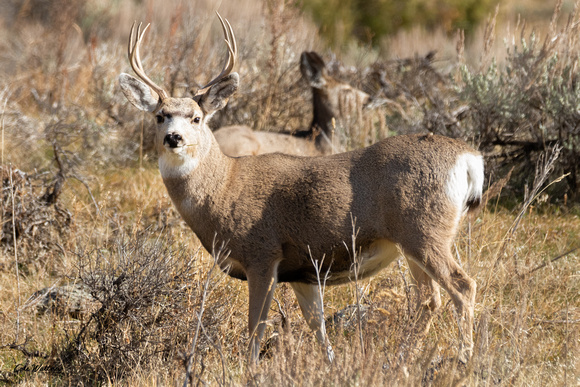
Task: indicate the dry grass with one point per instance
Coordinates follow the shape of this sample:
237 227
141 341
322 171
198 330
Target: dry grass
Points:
63 115
527 321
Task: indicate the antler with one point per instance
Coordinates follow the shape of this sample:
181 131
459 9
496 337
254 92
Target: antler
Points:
230 40
135 60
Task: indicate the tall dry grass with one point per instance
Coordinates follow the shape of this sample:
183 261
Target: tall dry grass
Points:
68 135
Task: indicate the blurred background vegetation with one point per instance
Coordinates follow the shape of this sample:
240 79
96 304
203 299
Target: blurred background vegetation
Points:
513 97
371 20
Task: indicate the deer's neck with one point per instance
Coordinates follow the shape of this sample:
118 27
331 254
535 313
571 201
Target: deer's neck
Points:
321 127
196 181
322 114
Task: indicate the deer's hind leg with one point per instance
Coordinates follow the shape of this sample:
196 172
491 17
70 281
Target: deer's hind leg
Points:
311 304
436 260
427 296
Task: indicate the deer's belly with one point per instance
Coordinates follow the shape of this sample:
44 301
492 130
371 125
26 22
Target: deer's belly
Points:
371 260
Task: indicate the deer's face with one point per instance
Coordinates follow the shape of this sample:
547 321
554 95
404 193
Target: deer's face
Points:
180 124
182 137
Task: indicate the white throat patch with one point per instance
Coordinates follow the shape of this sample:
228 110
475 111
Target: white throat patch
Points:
177 165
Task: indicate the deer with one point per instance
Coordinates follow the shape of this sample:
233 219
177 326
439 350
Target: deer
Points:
276 214
332 101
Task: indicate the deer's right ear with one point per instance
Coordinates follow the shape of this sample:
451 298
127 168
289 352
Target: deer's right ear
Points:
312 68
138 93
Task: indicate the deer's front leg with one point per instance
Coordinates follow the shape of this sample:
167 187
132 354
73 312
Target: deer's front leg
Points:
261 285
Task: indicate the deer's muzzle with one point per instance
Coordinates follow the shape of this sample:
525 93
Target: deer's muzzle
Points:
172 140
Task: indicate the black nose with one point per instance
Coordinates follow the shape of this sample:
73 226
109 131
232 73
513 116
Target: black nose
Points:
172 140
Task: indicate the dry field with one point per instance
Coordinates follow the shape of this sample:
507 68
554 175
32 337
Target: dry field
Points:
135 298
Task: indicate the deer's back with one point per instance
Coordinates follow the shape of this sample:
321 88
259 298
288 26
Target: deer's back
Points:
238 141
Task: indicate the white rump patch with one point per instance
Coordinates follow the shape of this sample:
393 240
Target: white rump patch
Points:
465 181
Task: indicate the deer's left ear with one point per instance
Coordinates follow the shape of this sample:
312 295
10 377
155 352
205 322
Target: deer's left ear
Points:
217 96
138 93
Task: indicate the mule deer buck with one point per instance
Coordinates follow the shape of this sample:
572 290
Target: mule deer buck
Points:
404 195
332 101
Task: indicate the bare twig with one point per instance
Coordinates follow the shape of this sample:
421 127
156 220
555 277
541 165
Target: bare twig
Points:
83 182
544 168
544 264
321 284
321 288
356 263
27 353
217 259
220 352
406 286
64 174
540 321
15 254
5 94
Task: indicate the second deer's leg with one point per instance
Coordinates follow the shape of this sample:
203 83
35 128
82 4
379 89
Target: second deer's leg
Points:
311 305
261 286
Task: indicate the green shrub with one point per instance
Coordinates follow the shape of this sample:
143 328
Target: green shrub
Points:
532 102
370 20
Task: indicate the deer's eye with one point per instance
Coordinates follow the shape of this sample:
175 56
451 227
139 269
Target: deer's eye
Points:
196 120
159 118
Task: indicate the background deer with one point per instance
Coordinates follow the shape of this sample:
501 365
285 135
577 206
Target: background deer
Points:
276 213
334 104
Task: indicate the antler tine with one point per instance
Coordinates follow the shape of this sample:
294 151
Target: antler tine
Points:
135 60
230 40
230 37
135 47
